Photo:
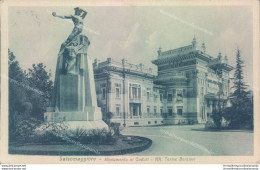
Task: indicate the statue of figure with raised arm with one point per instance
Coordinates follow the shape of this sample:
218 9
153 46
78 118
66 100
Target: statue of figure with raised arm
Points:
74 99
77 19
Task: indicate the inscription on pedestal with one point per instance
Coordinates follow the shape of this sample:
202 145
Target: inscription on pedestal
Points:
68 93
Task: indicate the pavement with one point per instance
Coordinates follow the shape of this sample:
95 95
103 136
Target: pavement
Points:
193 140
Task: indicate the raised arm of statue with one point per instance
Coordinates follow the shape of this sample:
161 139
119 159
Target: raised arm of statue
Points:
77 19
62 17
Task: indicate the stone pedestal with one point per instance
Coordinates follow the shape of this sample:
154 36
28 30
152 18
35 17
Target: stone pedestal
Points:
74 98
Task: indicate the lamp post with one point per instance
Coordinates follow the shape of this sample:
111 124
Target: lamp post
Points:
107 87
123 62
220 92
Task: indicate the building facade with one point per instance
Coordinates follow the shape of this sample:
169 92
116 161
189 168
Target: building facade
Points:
188 86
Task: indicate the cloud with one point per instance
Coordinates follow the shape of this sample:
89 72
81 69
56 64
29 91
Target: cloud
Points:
134 33
132 37
152 39
229 36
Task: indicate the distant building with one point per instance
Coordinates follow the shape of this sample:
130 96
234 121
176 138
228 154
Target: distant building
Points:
188 86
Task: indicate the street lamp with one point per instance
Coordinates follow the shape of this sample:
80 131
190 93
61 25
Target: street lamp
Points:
220 93
123 63
108 75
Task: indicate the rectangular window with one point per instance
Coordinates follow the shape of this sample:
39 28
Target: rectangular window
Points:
117 92
135 109
134 91
155 98
103 93
161 110
169 98
148 96
130 96
170 111
148 111
179 110
154 110
118 110
136 123
161 97
179 95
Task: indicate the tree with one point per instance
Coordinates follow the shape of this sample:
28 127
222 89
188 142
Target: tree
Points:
29 95
41 85
218 111
17 83
18 103
108 117
242 107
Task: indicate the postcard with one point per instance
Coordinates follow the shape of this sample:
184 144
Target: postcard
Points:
130 82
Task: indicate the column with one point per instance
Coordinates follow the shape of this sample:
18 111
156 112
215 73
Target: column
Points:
130 92
206 112
210 108
131 110
215 104
108 94
137 110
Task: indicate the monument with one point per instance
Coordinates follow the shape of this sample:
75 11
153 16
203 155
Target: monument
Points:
74 98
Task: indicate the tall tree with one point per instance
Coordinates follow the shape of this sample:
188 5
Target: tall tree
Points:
18 103
39 81
242 106
29 95
239 85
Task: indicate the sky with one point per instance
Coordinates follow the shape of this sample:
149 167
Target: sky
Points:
133 33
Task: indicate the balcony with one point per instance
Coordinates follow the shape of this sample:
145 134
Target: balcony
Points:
145 115
134 100
175 76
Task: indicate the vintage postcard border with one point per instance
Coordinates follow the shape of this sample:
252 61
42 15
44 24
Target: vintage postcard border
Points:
19 159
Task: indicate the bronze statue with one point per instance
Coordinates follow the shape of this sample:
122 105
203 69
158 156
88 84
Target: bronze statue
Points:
77 19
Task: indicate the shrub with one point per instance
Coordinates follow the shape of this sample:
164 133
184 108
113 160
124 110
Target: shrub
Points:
108 117
224 123
48 137
210 125
115 129
57 127
25 129
76 134
97 135
29 131
94 136
191 122
217 116
54 132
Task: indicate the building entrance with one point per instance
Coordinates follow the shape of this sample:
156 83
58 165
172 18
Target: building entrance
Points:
135 109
